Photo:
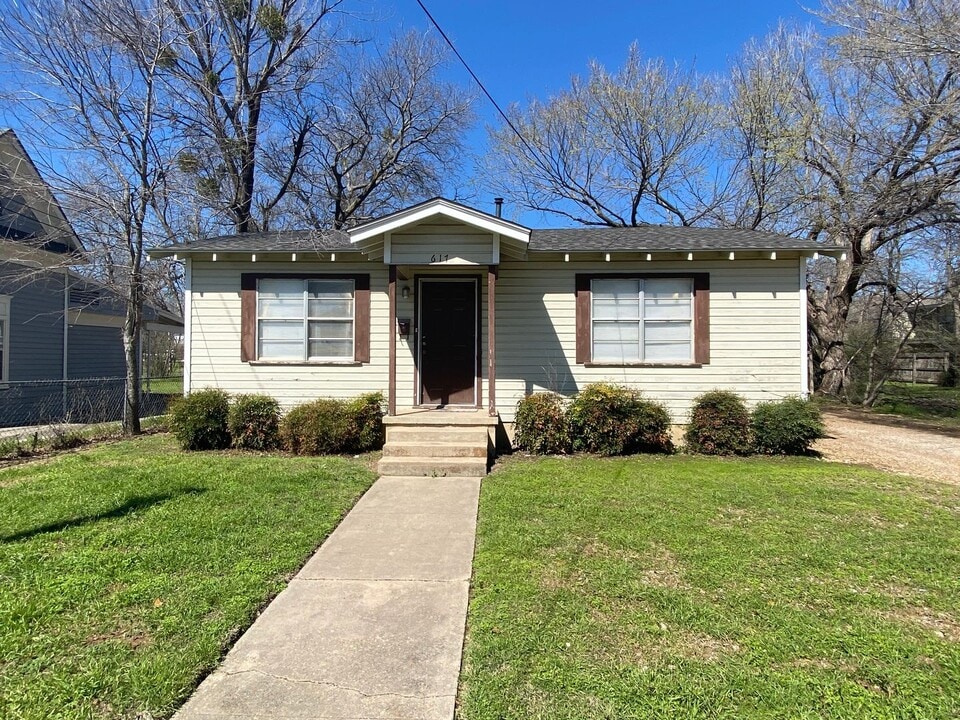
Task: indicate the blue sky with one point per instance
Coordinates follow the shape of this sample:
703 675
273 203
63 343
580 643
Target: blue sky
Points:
524 49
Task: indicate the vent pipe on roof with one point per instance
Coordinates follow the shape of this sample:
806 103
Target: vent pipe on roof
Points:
499 203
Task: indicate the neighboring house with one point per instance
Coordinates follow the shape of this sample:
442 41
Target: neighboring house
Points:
441 305
61 351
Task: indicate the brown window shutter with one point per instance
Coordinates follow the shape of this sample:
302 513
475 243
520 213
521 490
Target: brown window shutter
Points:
583 318
701 318
361 304
248 317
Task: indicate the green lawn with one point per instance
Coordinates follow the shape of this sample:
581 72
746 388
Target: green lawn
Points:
164 385
925 402
686 587
126 569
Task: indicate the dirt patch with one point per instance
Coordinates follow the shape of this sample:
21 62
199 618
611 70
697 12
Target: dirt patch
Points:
899 449
130 637
941 624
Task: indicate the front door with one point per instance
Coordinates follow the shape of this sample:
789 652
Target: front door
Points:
448 341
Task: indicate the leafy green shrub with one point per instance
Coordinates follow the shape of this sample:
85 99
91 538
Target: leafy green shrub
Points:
719 425
254 422
786 427
541 424
327 427
367 414
615 420
199 420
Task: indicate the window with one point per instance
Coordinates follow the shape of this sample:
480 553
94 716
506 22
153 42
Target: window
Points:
635 319
305 319
4 338
642 320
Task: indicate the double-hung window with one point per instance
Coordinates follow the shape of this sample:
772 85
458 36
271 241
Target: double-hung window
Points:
305 320
642 320
4 339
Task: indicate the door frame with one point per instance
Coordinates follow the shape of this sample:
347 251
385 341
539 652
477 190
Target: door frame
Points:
418 306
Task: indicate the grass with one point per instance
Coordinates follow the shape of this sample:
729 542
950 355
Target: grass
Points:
923 402
684 587
164 385
128 568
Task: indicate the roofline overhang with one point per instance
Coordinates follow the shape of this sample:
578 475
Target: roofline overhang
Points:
433 208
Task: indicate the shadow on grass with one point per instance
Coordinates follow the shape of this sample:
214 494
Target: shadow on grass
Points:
131 505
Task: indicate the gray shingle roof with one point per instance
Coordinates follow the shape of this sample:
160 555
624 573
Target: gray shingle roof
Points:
273 241
663 238
653 238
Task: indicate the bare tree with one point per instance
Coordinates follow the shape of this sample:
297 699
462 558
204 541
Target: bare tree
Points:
619 148
92 90
385 131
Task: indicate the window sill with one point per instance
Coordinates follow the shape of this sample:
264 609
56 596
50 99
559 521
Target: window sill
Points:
306 363
642 365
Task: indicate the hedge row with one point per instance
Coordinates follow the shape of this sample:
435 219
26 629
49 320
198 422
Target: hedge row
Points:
210 420
615 420
603 418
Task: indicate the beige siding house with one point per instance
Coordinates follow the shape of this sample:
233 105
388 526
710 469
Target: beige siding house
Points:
441 306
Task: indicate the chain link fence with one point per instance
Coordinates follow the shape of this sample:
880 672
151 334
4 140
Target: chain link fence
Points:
90 400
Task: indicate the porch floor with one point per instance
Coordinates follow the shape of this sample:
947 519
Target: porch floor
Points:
441 416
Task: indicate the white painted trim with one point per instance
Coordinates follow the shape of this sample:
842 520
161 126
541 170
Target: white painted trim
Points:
804 350
387 248
187 322
432 209
496 249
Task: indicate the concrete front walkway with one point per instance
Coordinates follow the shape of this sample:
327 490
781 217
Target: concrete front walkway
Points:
372 626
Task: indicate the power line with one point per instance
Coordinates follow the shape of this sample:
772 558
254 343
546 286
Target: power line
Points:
463 62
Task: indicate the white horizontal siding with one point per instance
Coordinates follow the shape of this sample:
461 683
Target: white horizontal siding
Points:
440 246
755 343
215 337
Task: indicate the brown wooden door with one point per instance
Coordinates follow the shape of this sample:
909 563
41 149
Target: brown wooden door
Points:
448 342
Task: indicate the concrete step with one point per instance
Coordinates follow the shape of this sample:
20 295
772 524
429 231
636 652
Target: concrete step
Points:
436 433
433 467
435 449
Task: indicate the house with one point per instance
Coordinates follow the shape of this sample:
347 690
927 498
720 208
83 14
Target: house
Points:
441 305
61 351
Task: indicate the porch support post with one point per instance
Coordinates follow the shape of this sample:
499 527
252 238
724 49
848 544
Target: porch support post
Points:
392 332
492 271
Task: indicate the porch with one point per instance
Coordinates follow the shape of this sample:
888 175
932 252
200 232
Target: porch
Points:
434 442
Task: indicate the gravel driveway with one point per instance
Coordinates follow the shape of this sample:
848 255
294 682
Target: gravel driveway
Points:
883 445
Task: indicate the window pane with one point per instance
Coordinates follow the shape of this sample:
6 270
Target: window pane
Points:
280 298
330 329
331 348
281 350
616 332
616 299
667 352
616 352
291 330
616 341
330 288
335 308
667 298
674 331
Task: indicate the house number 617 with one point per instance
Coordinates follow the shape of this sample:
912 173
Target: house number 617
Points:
439 257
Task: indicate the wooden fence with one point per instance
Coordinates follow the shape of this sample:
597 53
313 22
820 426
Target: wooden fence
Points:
926 368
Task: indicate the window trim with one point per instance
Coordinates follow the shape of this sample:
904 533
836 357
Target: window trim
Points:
249 340
5 349
700 320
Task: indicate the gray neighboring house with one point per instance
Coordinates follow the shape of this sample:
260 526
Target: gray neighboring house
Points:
61 350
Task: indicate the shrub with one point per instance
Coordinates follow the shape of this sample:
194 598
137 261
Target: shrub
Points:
719 425
199 420
254 422
786 427
615 420
367 414
326 427
541 424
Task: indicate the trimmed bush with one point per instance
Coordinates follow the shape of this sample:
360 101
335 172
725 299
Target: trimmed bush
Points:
614 420
199 420
719 425
328 427
541 425
254 422
786 427
367 414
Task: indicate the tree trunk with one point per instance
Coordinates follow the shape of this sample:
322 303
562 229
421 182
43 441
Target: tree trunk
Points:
131 351
828 313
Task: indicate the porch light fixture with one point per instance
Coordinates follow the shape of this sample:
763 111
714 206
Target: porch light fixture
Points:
405 292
